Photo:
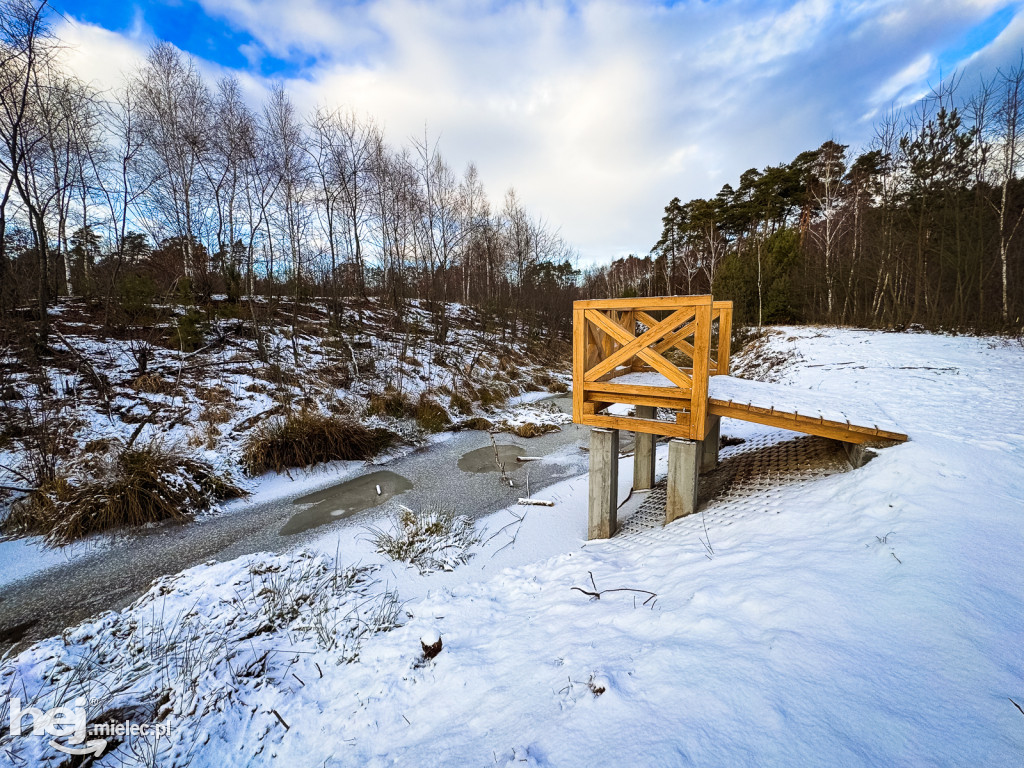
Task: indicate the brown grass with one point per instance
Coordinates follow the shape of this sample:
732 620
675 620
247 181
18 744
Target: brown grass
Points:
151 384
529 429
391 403
460 404
140 485
304 438
550 383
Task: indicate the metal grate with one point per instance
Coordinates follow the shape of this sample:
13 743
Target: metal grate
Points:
748 480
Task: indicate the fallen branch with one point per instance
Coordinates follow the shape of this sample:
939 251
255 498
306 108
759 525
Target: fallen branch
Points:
280 719
596 593
16 489
101 385
536 502
529 458
1017 706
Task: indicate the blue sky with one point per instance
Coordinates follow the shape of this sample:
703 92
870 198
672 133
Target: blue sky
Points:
596 111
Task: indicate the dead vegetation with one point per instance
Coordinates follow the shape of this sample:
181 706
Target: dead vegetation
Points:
134 486
305 438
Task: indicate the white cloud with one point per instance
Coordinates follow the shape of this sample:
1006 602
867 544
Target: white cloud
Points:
600 112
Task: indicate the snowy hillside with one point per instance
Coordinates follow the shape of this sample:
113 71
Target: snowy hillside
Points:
872 618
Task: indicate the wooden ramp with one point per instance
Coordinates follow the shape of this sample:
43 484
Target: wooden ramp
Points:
673 352
786 407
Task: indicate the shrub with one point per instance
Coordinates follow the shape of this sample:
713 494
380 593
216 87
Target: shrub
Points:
431 415
190 330
136 486
434 539
307 437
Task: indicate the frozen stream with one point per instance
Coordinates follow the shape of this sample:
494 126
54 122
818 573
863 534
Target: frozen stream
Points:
456 472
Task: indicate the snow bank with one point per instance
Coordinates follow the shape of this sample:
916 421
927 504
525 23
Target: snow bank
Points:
874 620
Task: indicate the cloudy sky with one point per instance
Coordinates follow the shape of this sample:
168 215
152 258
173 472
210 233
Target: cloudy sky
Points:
597 113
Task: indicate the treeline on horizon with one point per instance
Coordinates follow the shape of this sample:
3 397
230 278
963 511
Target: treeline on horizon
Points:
921 228
170 188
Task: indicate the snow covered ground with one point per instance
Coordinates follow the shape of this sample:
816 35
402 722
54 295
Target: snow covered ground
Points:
875 620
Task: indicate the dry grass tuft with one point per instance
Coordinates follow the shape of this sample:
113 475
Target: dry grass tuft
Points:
478 423
431 415
391 403
151 384
550 383
307 437
460 404
136 486
491 397
529 429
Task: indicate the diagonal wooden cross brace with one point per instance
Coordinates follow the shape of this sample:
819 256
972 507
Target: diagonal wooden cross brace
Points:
638 346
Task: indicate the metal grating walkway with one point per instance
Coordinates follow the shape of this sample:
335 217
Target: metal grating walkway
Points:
748 481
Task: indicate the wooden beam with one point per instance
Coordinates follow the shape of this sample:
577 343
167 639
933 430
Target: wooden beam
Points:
579 343
701 355
638 425
672 403
652 302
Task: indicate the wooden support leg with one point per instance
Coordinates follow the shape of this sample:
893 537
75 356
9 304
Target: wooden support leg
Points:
604 483
643 452
709 449
683 468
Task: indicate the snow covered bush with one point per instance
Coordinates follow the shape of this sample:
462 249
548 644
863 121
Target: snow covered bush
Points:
433 540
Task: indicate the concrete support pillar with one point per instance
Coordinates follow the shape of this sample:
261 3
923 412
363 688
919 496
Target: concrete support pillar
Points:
643 452
683 469
604 483
712 439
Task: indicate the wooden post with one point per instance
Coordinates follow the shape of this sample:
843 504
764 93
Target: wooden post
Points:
643 452
683 467
579 357
709 447
701 363
604 483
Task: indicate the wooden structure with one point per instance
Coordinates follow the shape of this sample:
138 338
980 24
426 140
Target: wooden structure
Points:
673 352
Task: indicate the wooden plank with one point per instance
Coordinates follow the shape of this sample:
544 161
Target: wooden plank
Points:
652 302
638 425
579 344
671 403
676 339
701 354
650 322
663 366
634 389
820 427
